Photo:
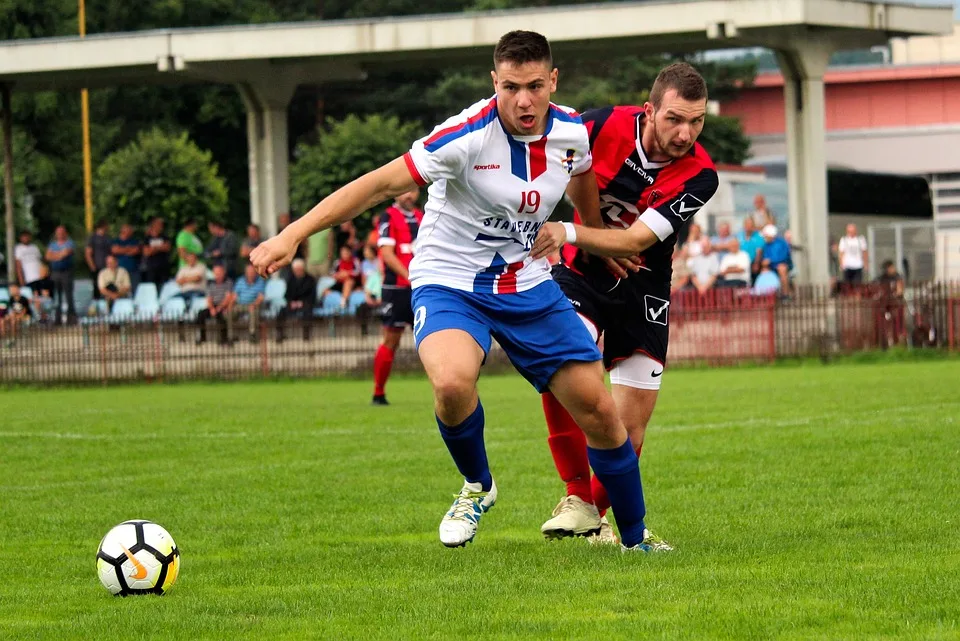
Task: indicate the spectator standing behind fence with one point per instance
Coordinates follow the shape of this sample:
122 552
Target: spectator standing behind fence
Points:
776 252
762 216
98 248
188 242
220 298
301 298
28 258
223 248
192 278
751 241
696 243
680 276
60 256
852 249
736 268
127 248
156 254
43 293
250 291
722 242
113 281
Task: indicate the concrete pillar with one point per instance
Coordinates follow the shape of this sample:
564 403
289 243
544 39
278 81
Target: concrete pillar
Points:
803 64
268 148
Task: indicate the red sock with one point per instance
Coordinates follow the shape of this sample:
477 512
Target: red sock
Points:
600 498
568 446
382 363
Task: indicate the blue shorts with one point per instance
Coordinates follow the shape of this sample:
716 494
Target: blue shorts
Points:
538 329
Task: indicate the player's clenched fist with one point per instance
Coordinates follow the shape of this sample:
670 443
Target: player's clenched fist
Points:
271 255
551 238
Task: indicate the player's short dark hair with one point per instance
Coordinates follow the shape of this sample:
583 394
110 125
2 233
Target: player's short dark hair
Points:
683 78
519 47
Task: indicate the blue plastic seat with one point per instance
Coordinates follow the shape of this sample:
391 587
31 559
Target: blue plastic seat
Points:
173 309
169 290
356 300
146 295
123 310
274 296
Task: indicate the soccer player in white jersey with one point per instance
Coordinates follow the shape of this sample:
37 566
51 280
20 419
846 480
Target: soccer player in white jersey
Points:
497 171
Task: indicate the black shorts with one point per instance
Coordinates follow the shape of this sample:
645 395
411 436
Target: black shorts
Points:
633 317
395 308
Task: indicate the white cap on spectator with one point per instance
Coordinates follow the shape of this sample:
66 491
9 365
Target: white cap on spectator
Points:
769 230
298 262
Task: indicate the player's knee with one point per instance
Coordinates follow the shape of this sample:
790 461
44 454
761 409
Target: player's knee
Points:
452 392
597 415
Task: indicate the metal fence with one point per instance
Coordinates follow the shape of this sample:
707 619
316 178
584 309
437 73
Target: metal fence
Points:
721 326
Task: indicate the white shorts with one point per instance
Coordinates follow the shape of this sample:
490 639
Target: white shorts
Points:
638 371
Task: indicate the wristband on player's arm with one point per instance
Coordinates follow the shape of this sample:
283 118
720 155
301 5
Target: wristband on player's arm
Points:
571 232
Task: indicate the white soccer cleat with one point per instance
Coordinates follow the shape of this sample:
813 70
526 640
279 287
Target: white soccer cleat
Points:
572 517
651 543
459 525
606 535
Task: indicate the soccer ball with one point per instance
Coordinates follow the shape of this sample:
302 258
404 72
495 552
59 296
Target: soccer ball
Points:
138 557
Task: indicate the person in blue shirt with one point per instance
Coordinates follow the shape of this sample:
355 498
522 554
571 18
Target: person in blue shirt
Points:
250 291
60 255
127 249
777 251
751 242
768 282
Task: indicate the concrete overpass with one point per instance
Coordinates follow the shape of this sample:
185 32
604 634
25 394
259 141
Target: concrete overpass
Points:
267 62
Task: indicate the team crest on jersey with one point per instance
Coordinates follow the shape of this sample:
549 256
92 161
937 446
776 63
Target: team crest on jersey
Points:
655 195
657 309
568 160
686 206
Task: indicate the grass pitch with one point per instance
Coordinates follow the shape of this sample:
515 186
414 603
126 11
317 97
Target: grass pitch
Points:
806 503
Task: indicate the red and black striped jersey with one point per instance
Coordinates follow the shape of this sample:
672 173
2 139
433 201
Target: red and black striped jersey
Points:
664 195
398 228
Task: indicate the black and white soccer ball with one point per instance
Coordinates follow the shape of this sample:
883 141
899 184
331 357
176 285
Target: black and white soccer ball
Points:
138 557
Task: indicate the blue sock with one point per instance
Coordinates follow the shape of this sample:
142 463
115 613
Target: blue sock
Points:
465 443
619 471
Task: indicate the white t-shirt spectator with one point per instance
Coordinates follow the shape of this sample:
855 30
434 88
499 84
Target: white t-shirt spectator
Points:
31 260
199 285
851 250
739 259
704 266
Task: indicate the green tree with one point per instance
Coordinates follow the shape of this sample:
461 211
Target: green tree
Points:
345 151
160 175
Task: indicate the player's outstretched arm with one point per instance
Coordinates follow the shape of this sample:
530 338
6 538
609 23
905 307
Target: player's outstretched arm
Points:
365 192
603 242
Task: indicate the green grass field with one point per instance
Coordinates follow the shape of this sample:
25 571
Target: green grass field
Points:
806 503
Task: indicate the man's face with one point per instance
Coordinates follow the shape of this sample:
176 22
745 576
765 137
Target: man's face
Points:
851 230
60 233
14 290
734 245
748 226
126 231
191 259
253 233
298 270
112 262
25 238
759 202
523 95
283 220
694 231
219 273
724 230
409 199
251 272
677 123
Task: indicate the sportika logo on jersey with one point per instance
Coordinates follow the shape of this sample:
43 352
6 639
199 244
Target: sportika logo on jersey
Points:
567 161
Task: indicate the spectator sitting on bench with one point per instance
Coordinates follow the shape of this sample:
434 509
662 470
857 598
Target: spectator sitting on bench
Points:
192 278
113 282
18 312
735 266
220 299
301 298
777 252
346 273
249 293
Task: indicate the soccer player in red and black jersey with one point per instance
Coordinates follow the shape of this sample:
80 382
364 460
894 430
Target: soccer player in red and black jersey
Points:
397 230
653 177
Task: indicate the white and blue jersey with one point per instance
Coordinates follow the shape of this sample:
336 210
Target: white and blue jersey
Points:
490 194
472 270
